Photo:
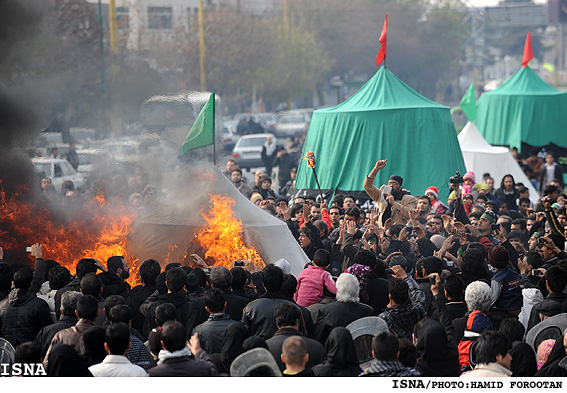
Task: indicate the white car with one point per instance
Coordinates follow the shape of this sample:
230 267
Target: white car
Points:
88 158
248 150
291 124
58 170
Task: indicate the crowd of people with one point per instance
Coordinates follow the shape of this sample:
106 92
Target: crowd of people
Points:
458 283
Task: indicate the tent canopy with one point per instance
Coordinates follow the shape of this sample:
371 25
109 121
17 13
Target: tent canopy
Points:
523 109
480 158
384 119
153 235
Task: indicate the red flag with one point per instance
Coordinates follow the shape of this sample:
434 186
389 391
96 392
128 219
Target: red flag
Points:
381 56
528 54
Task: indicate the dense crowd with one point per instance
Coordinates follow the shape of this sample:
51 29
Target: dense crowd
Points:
455 285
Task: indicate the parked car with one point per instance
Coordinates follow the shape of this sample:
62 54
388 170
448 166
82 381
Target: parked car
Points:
58 170
248 150
291 124
88 158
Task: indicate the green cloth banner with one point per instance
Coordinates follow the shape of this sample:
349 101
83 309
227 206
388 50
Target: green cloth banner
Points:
384 119
202 132
523 109
468 103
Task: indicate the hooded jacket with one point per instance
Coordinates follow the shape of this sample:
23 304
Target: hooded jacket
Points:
22 316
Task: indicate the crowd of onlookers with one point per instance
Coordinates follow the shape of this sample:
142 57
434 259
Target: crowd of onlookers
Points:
455 287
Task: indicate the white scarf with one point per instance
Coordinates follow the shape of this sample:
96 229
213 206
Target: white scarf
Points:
164 354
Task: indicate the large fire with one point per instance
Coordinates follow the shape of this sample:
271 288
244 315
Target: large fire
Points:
222 237
97 231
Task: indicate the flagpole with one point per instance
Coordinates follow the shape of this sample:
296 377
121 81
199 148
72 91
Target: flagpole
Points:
214 133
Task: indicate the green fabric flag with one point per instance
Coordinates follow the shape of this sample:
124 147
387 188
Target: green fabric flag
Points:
202 132
468 103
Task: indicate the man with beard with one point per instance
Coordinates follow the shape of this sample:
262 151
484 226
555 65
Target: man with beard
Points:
113 280
236 178
395 204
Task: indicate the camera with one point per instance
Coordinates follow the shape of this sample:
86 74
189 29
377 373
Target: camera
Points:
537 273
207 271
494 227
28 249
238 263
541 240
432 280
457 179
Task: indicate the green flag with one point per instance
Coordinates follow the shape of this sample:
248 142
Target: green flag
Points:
202 132
468 103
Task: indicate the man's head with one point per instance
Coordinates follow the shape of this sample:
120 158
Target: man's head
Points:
478 296
272 278
175 279
432 265
120 313
395 182
305 237
549 159
423 204
556 279
173 336
493 347
398 290
385 346
485 221
335 212
236 176
294 353
258 176
490 183
220 277
149 270
352 214
117 339
118 265
215 302
91 285
454 287
524 206
366 258
287 315
69 301
230 166
562 217
87 307
436 224
23 278
519 224
58 277
323 228
552 192
266 183
165 312
110 302
349 201
316 211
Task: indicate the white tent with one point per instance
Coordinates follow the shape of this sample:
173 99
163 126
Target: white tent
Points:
481 157
154 235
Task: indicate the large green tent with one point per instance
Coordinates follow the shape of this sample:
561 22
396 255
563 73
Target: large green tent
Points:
384 119
523 109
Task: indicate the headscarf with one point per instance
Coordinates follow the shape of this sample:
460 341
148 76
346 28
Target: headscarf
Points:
437 356
64 361
543 351
341 360
361 272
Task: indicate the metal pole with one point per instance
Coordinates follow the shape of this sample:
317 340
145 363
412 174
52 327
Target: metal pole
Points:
202 47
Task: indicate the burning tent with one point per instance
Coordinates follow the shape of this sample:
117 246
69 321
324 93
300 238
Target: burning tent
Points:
173 233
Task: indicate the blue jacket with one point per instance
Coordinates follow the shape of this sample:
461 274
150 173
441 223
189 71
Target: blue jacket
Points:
510 292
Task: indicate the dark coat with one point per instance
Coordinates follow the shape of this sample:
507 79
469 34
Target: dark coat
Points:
185 367
136 298
314 349
339 314
179 300
198 315
113 285
258 315
211 332
524 363
377 290
46 334
22 316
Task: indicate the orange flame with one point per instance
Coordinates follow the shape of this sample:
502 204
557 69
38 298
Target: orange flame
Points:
98 231
222 237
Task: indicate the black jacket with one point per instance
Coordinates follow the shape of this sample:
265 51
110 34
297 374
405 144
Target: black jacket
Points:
185 367
211 332
377 289
179 300
113 285
314 349
258 315
22 316
136 298
339 314
197 314
46 334
524 363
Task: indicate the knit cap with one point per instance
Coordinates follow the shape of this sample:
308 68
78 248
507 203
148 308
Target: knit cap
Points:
498 257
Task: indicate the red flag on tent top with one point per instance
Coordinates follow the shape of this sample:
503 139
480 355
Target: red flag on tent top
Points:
381 56
528 54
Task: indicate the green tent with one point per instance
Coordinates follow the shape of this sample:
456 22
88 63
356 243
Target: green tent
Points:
384 119
523 109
